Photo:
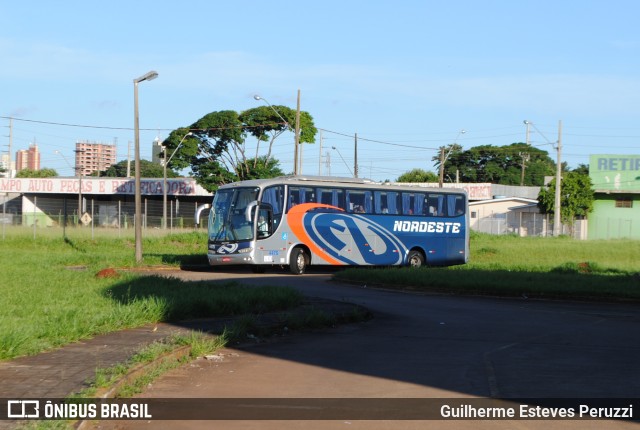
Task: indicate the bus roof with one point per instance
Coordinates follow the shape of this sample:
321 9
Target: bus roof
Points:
328 181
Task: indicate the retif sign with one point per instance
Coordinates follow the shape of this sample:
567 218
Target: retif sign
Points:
615 172
148 187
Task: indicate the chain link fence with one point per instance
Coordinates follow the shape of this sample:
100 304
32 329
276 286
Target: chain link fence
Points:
99 216
526 224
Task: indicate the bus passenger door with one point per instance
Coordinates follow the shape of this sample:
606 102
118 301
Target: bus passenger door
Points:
265 225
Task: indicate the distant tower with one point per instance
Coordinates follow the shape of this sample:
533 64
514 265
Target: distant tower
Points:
156 151
327 162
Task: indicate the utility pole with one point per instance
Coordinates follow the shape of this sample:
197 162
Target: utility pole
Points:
525 160
10 175
441 180
557 223
9 169
355 157
327 163
297 137
320 156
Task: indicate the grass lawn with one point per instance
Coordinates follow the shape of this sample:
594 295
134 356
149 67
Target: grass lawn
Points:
51 295
525 267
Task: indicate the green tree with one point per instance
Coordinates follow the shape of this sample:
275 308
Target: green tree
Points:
265 124
148 169
582 168
217 151
42 173
576 197
418 175
499 165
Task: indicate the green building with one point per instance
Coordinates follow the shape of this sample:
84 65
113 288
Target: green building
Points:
616 208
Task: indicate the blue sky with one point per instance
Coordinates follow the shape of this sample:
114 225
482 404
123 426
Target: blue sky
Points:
406 76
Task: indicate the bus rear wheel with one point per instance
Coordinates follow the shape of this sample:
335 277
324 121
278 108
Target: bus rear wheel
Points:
415 259
299 261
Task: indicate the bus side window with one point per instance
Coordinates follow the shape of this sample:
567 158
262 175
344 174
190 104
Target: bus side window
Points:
436 205
385 202
359 201
407 203
307 195
456 205
330 196
293 197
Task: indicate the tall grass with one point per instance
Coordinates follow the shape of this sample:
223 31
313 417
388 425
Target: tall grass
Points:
51 296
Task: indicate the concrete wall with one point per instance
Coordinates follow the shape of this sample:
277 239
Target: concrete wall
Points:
610 222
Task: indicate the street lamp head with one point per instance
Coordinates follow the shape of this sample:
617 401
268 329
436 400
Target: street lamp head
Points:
149 76
526 122
257 97
333 147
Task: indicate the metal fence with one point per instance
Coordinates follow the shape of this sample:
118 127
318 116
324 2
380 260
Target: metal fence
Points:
526 224
96 215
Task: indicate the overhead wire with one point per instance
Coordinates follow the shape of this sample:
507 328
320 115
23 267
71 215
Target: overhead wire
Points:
278 149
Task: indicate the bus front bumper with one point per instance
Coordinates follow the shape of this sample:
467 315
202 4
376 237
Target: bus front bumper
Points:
229 259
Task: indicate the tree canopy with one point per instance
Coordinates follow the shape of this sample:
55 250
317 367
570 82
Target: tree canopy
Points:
576 196
497 164
42 173
418 175
148 169
225 146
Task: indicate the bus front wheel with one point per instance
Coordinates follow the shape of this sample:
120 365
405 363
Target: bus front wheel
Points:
415 259
299 261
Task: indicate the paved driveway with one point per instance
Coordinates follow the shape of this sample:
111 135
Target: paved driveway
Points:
424 346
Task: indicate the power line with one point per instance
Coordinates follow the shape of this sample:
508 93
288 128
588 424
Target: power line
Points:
131 129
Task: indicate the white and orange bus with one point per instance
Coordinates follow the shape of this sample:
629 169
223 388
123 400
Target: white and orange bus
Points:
298 221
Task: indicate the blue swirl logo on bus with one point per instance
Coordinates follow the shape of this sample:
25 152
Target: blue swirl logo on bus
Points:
335 234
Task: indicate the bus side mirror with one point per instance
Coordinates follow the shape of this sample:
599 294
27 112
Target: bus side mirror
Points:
250 206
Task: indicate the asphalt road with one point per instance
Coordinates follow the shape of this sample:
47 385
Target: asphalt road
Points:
421 346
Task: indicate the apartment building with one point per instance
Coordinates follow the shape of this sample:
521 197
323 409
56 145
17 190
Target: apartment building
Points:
94 157
28 158
8 166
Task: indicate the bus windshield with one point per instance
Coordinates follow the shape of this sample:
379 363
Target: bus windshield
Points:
228 217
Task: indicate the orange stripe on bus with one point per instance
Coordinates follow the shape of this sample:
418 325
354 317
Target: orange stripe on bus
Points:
295 216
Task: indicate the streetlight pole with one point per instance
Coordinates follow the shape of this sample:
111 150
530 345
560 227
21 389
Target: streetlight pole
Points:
286 123
557 219
78 173
138 197
345 163
528 124
164 175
